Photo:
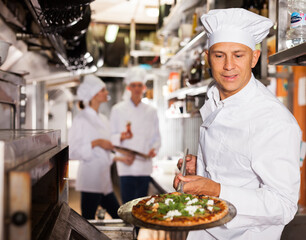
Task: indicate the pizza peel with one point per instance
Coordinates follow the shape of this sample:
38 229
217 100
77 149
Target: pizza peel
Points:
125 213
126 151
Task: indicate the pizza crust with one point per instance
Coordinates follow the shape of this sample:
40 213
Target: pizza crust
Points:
150 214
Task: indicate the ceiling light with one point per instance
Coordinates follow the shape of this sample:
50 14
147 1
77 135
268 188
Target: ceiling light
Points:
111 33
152 11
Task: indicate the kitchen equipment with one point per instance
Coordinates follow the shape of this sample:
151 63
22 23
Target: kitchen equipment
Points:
125 213
115 229
127 151
4 47
34 189
183 171
12 100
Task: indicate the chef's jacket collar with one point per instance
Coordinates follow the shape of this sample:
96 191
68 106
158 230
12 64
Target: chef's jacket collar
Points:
133 104
90 110
244 94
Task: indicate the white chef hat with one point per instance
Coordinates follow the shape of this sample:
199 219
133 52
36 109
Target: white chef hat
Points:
135 74
235 25
90 86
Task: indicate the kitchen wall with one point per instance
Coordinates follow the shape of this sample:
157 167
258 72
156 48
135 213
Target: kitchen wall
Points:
177 133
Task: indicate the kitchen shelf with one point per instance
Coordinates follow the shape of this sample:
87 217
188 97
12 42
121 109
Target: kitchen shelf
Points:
172 21
183 115
190 91
198 40
295 56
143 53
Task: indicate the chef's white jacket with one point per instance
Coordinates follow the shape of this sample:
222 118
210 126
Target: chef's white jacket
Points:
249 143
94 168
146 135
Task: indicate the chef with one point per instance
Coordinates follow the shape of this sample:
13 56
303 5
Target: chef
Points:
89 142
135 126
249 142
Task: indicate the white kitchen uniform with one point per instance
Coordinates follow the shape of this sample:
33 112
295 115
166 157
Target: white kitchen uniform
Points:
94 169
249 143
146 135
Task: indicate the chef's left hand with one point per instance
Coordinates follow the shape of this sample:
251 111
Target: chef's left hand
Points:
152 153
194 184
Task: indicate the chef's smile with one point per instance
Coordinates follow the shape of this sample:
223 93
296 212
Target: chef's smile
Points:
230 78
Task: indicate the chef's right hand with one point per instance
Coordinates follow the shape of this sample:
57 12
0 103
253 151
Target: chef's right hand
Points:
102 143
191 164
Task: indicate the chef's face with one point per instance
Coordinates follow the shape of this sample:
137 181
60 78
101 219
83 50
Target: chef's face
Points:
137 89
231 65
102 95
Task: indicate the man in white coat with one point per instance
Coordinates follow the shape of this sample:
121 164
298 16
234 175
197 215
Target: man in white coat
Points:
249 142
135 125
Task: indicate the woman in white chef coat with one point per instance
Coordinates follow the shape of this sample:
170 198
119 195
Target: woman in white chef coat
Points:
135 126
89 142
249 142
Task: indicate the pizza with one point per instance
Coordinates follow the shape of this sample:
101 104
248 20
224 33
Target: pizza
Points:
179 209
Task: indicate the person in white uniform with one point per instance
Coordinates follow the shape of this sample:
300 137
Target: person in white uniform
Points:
249 142
89 142
135 126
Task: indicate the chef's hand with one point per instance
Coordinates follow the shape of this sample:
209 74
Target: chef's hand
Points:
152 153
127 159
102 143
126 135
191 164
194 184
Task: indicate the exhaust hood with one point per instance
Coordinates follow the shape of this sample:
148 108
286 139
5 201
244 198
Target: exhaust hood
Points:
57 29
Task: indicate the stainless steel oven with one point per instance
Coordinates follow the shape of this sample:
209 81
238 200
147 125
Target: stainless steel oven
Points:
34 189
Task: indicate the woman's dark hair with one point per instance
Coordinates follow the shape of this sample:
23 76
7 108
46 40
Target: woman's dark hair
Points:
81 105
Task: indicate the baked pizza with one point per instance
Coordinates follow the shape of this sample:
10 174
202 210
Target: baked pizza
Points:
179 209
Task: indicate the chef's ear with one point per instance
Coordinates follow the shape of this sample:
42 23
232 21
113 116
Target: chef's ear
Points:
128 87
255 57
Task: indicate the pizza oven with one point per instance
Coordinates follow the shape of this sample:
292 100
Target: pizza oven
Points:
34 189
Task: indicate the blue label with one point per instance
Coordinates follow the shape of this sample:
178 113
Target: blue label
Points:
296 20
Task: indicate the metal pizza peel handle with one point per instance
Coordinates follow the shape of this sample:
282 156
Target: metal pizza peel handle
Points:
183 171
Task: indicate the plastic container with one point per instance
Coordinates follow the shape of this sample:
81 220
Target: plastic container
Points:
296 34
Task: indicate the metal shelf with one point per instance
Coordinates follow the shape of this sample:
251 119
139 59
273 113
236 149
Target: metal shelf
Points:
190 91
198 40
143 53
295 56
172 21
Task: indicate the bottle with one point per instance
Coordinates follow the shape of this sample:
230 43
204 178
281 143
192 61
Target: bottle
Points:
194 23
196 71
297 32
264 11
253 6
128 129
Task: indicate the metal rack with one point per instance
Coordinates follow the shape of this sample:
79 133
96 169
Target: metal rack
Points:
198 40
295 56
